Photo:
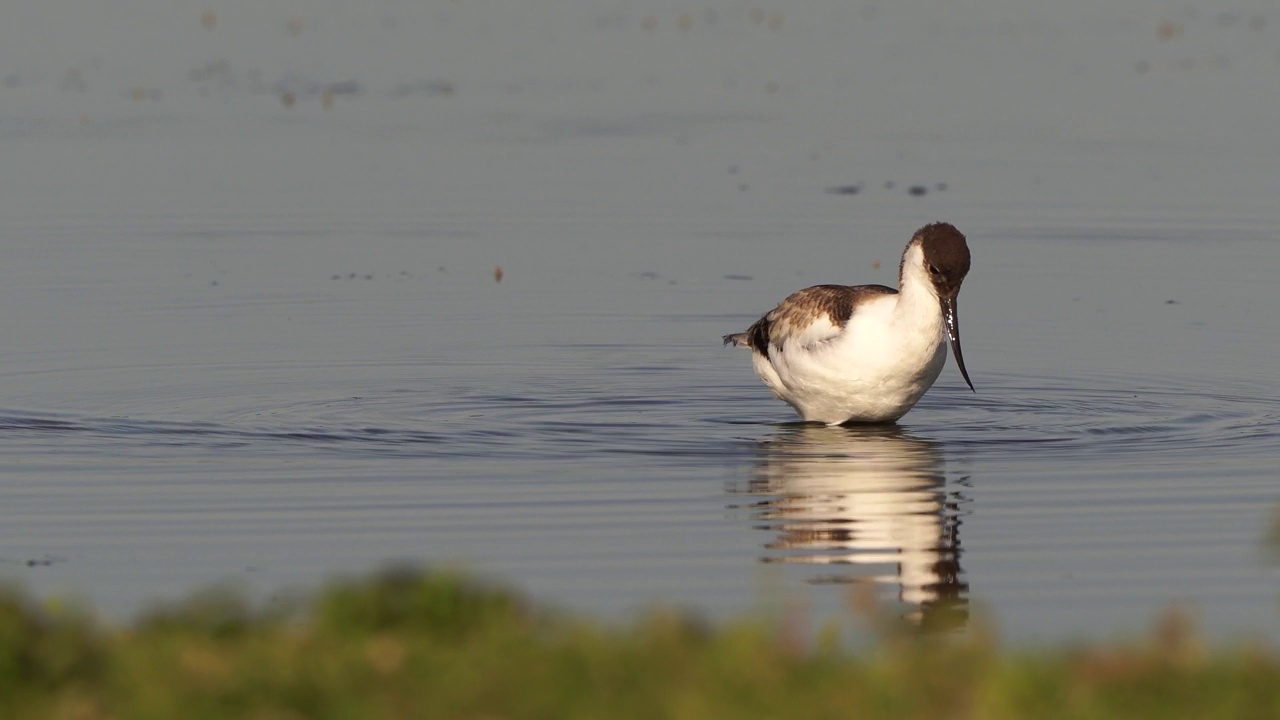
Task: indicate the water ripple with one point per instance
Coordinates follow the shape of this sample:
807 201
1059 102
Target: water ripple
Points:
1114 416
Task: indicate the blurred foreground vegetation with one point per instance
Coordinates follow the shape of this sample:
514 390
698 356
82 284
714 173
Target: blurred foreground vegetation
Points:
440 645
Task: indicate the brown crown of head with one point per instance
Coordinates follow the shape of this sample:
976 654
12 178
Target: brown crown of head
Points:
946 256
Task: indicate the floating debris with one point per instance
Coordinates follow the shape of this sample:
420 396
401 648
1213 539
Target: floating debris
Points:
1168 29
397 277
497 273
845 189
918 190
303 89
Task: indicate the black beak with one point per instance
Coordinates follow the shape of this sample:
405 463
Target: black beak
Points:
953 334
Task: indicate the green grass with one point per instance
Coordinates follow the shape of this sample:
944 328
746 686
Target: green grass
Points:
440 645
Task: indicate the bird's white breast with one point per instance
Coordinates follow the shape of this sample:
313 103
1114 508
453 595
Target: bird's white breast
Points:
874 369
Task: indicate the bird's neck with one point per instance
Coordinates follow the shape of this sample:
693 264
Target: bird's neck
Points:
917 302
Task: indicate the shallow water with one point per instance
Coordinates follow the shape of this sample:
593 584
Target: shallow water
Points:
264 344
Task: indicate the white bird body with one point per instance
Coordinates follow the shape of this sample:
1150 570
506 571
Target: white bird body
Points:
864 353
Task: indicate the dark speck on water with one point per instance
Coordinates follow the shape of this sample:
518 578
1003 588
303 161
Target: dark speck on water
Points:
738 277
918 190
845 189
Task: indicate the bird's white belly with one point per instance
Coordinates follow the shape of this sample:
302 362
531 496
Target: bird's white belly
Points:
856 377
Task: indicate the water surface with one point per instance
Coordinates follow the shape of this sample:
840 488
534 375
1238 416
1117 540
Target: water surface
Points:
262 341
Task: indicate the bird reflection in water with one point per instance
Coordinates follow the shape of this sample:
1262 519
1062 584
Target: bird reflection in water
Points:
872 499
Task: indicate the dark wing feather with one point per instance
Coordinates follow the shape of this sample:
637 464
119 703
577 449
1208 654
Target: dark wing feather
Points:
802 308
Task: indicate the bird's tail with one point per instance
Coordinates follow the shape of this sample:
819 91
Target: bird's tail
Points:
737 340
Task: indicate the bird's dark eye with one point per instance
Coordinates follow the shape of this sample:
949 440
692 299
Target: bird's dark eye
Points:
934 271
